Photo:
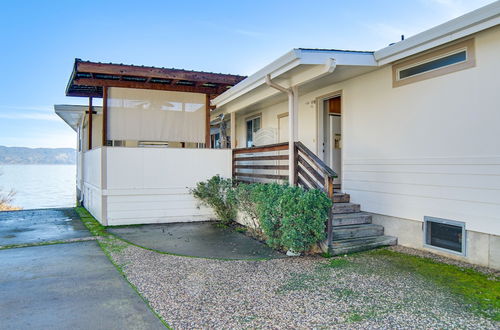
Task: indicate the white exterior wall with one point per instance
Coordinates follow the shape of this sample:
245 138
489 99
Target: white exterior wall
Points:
92 182
428 148
151 185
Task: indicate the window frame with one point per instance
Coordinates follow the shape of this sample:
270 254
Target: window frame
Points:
426 235
251 118
470 61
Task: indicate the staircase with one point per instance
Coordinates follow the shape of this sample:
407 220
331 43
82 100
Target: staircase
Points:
353 230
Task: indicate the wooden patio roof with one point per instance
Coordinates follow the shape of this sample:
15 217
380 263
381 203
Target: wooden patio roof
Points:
89 78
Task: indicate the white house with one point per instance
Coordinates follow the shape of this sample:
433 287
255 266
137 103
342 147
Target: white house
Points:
411 132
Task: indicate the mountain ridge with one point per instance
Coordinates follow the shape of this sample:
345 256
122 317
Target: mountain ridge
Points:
27 156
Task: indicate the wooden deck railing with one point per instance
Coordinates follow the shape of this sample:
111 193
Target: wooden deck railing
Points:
267 163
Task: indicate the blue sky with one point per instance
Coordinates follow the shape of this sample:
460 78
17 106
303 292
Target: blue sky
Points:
40 40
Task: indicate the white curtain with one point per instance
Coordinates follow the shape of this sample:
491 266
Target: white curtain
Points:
150 115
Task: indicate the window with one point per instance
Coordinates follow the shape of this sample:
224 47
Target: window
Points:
445 234
436 63
253 125
433 64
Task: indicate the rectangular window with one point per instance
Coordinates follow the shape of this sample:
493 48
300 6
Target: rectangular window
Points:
441 62
445 234
436 63
253 125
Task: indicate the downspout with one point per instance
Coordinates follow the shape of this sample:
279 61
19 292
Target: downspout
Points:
293 107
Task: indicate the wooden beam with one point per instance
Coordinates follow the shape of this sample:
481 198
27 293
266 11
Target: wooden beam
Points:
261 176
90 123
263 167
266 148
207 121
162 73
145 85
246 159
104 115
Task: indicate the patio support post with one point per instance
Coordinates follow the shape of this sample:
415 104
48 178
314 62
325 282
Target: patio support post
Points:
233 130
90 123
104 115
207 121
293 106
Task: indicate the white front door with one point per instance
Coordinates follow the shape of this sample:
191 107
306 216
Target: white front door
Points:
335 146
331 145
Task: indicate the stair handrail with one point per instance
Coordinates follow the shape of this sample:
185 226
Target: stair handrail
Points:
328 176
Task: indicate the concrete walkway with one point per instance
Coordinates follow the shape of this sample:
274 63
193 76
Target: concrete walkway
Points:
62 286
36 226
198 239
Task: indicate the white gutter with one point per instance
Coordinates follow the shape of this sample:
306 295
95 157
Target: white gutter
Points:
289 61
293 109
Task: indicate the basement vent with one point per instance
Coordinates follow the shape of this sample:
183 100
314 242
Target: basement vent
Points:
446 235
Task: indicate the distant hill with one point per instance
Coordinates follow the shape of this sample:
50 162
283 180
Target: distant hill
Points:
20 155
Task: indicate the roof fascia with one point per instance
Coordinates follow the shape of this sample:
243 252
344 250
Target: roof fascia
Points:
288 62
475 21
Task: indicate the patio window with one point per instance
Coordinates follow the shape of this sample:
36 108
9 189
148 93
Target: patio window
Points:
253 125
445 234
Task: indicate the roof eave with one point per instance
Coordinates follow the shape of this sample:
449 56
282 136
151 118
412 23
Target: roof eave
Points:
460 27
288 62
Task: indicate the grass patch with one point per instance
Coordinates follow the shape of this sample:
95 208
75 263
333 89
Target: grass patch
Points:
338 263
113 245
478 290
91 223
22 245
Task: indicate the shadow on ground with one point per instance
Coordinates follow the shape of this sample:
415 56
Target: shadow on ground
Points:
199 239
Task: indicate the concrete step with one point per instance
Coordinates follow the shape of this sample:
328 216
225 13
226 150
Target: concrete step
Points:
357 231
348 219
345 208
361 244
341 198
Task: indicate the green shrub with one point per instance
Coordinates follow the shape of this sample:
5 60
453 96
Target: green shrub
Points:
304 217
290 217
218 193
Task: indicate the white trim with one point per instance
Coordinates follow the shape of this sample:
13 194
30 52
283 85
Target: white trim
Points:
470 23
290 61
435 58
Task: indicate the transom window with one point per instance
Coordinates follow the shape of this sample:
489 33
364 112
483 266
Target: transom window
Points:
253 125
437 63
456 57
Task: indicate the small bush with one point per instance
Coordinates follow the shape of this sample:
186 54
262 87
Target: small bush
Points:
218 193
290 217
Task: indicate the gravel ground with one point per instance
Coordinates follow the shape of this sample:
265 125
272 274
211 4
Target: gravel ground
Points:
304 292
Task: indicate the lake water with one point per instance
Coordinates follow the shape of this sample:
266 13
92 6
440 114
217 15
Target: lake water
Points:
40 186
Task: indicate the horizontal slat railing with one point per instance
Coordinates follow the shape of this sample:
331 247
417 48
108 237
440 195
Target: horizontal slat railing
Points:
261 164
269 164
